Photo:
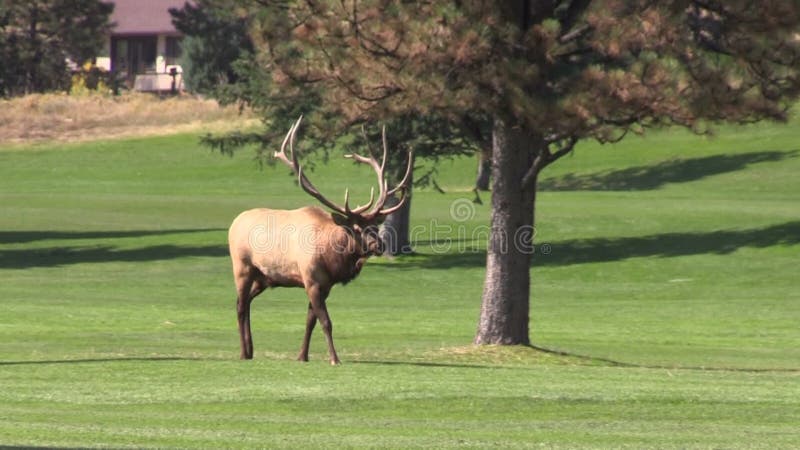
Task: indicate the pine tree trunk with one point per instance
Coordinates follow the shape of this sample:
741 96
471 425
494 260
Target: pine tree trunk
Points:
506 291
395 230
484 170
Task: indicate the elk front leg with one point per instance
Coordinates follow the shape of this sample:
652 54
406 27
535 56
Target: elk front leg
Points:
317 296
243 317
246 289
311 321
243 303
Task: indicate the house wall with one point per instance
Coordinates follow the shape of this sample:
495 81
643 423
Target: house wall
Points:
103 60
157 82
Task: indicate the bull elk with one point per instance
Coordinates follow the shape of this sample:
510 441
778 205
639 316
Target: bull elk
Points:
308 247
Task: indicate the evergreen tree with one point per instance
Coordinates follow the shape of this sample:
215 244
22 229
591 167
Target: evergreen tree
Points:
38 37
215 38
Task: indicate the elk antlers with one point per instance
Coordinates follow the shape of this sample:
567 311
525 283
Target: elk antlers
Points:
376 209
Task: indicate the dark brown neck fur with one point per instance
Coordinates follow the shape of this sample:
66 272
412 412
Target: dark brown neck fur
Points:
344 259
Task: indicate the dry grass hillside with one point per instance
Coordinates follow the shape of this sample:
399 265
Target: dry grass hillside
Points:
60 117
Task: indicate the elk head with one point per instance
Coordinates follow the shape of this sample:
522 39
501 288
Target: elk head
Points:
362 221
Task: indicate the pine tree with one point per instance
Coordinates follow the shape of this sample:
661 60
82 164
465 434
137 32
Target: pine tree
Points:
545 74
215 37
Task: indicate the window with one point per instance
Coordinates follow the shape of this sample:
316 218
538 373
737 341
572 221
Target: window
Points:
173 51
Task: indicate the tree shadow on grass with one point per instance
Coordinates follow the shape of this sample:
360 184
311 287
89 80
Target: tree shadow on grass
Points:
588 359
655 176
581 251
21 237
61 256
577 251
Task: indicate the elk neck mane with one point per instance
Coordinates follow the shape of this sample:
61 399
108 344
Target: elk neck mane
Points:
343 258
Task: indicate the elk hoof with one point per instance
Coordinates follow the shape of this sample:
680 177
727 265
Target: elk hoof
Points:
302 358
336 362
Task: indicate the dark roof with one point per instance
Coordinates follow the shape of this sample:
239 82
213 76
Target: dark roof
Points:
144 16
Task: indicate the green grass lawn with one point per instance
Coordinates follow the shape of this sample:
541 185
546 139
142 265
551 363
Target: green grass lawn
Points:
665 292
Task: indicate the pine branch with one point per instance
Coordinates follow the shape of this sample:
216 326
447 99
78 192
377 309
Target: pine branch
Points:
575 34
573 12
565 149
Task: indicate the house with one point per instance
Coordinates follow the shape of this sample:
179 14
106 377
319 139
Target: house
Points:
144 48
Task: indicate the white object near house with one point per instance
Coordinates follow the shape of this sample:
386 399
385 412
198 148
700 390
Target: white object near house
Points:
144 45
